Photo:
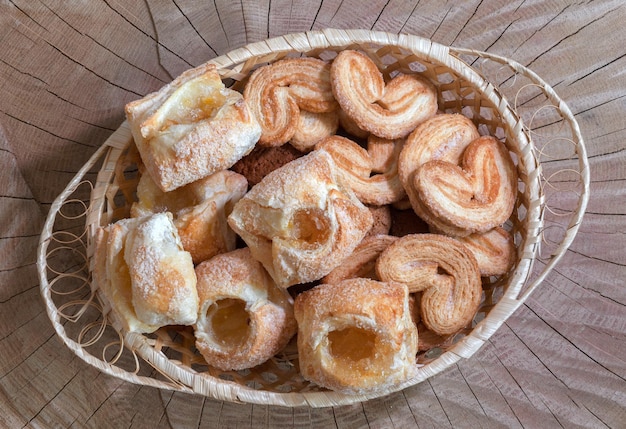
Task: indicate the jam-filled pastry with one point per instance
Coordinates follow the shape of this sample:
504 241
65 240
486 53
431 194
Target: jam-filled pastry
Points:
356 336
494 251
388 110
444 270
145 274
276 93
244 318
199 209
473 197
301 220
443 137
191 128
356 165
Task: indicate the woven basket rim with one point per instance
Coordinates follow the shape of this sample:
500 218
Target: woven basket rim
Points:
190 381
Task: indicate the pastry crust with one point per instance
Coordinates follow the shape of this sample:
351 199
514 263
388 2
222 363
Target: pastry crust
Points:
444 270
200 210
356 336
494 251
389 110
191 128
161 272
301 220
244 318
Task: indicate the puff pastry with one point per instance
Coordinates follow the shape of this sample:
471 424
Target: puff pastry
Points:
192 127
494 251
199 208
389 110
444 270
356 336
244 318
475 196
313 127
276 93
301 220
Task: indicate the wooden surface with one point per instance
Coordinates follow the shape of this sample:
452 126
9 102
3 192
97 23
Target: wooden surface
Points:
68 67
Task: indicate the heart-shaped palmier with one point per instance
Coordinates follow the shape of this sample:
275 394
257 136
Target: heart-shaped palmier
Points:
389 110
494 250
442 269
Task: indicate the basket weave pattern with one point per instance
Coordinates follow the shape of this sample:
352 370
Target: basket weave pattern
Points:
167 359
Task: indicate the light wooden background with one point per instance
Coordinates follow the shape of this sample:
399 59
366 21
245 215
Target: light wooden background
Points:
68 67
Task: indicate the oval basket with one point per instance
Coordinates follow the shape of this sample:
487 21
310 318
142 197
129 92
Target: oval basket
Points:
503 99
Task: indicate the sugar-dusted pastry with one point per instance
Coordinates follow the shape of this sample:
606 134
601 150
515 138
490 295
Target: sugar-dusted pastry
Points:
199 209
301 220
443 137
244 318
276 93
161 273
389 110
494 251
444 271
356 165
475 196
356 336
313 127
191 128
112 277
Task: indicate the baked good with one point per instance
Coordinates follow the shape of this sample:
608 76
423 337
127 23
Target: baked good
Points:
199 210
244 318
356 336
263 160
301 220
443 270
313 127
276 93
191 128
381 216
494 251
388 110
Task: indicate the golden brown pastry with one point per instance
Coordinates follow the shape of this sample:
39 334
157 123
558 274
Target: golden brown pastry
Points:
476 196
389 110
494 251
161 273
313 127
446 272
191 128
301 220
244 318
356 165
356 336
276 93
200 210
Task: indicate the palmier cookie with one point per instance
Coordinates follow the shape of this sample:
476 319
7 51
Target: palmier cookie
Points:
191 128
444 270
356 166
389 110
356 336
244 318
443 137
276 93
199 209
301 220
494 251
473 197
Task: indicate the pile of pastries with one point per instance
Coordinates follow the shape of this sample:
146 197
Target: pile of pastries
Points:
270 213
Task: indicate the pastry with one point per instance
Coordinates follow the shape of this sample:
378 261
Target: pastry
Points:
199 209
494 251
301 220
356 336
191 128
473 197
276 93
389 110
263 160
444 271
356 165
381 216
244 318
313 127
162 273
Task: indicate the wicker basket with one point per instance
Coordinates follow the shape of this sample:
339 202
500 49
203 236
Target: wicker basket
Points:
167 359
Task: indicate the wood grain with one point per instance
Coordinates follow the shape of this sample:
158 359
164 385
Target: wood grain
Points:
68 68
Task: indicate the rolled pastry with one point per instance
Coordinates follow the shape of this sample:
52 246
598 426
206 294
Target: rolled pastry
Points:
244 318
199 208
301 220
494 251
356 336
192 127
